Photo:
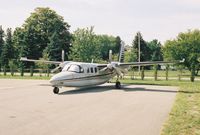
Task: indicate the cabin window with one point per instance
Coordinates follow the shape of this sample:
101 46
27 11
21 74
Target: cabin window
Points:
91 70
95 69
81 69
88 70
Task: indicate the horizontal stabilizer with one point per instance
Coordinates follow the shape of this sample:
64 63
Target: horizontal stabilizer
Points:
42 61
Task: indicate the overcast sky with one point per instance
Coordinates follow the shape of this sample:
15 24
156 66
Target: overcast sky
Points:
161 19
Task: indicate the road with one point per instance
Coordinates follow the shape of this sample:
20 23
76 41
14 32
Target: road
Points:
29 107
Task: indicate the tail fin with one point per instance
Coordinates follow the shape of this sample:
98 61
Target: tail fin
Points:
121 53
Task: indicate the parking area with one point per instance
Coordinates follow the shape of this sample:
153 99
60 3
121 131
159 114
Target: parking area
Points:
30 107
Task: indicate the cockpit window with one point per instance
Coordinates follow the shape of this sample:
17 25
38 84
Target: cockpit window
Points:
73 68
65 68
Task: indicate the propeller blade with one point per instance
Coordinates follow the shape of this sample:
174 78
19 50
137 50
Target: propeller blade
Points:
118 71
55 69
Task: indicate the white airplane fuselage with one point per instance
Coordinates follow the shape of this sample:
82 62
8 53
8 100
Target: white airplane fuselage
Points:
77 74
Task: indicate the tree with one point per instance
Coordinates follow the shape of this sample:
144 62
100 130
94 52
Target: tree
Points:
22 49
1 42
8 49
155 50
130 56
35 34
105 44
54 48
85 46
144 50
185 46
117 45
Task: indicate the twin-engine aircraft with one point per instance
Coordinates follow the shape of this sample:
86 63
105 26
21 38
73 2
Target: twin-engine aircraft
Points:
80 74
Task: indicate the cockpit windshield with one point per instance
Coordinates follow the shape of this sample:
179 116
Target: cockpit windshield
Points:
73 68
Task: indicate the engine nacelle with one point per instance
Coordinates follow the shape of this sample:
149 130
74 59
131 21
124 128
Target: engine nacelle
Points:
110 66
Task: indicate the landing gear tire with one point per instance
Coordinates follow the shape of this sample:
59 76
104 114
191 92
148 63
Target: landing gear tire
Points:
118 85
55 90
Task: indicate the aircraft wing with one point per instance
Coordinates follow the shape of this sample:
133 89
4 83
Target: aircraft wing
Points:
121 68
147 63
42 61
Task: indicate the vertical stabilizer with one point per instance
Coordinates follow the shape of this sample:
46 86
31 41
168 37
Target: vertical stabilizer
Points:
121 53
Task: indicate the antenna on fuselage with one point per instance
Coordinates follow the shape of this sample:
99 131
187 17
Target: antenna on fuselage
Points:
110 56
63 55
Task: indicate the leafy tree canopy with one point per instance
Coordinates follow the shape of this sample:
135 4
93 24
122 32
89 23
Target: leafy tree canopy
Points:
1 41
144 50
107 43
155 50
185 46
7 49
85 46
35 34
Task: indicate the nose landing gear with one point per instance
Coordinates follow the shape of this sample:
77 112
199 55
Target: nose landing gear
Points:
118 84
55 90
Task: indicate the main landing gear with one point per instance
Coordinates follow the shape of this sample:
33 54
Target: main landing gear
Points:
55 90
118 85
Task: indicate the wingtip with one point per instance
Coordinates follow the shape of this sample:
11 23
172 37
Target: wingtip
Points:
23 58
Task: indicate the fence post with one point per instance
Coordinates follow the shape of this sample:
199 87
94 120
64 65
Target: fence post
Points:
4 70
40 70
133 75
167 72
142 73
155 72
180 73
31 71
12 70
22 71
48 71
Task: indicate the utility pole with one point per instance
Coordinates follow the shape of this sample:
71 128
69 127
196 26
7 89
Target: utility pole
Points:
139 50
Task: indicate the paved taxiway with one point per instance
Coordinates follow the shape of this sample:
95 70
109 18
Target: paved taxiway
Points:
27 107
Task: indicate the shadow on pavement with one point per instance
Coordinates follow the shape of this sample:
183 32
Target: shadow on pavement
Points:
125 88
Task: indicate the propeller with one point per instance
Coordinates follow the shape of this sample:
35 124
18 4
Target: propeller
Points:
112 66
61 65
55 69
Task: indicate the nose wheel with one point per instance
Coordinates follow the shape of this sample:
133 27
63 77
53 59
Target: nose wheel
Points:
55 90
118 85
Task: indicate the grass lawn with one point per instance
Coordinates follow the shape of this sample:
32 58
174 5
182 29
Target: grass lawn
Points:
184 118
8 76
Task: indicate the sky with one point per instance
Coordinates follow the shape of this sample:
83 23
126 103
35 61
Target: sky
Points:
155 19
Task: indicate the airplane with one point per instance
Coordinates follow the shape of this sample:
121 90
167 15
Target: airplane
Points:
81 74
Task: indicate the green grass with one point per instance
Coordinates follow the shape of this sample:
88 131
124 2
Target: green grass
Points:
162 73
184 118
24 77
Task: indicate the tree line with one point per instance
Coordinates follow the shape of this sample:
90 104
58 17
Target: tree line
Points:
45 34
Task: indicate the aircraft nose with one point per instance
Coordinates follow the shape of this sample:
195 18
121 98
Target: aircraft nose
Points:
53 79
58 78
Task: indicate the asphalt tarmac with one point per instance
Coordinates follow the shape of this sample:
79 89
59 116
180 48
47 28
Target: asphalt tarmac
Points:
29 107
